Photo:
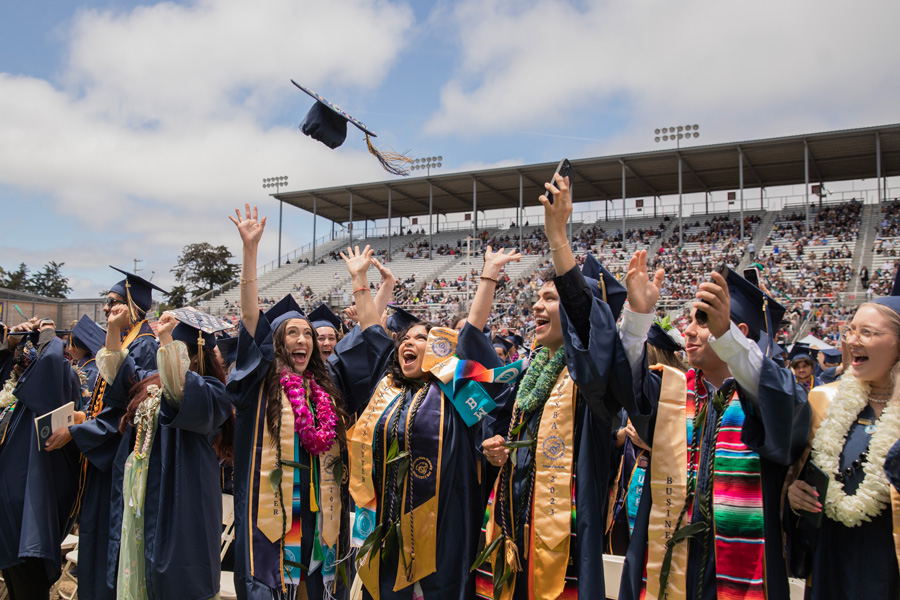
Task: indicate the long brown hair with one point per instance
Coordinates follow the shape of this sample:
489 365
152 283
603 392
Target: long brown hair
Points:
315 367
224 444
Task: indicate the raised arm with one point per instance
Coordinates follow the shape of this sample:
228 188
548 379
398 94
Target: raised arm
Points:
386 291
556 217
251 230
484 296
357 264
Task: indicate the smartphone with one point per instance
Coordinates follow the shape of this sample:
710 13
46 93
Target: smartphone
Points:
751 274
701 317
562 169
817 478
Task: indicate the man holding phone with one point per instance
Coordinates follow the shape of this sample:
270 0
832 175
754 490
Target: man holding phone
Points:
747 422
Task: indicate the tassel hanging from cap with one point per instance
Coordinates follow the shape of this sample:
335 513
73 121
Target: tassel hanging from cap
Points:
201 343
393 162
134 318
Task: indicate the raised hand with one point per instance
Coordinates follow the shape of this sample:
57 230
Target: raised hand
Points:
557 213
119 318
714 299
350 313
643 292
357 262
494 261
164 327
250 227
386 274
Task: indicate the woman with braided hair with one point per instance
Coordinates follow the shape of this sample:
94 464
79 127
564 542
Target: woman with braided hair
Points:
415 471
556 452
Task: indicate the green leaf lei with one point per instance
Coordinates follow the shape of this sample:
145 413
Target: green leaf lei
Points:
540 379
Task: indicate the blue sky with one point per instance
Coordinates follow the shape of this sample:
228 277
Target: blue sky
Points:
128 130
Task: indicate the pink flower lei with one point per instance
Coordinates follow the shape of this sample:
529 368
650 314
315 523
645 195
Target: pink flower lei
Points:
314 440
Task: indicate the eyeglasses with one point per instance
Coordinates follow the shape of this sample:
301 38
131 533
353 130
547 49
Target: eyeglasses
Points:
110 302
863 334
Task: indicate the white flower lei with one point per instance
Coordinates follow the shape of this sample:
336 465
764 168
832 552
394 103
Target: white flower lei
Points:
6 394
873 494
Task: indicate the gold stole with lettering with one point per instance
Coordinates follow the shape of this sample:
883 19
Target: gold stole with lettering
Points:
269 519
547 546
668 485
360 439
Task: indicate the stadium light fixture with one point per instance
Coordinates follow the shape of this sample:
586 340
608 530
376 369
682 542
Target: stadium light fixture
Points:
429 163
278 183
676 134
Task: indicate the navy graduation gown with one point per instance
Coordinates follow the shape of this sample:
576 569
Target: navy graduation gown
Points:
37 487
257 562
183 503
855 562
98 440
777 429
460 506
599 367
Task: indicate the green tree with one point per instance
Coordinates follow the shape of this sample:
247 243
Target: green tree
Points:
15 280
50 281
176 298
201 267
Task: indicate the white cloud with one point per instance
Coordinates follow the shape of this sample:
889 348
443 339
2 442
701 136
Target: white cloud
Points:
731 66
159 123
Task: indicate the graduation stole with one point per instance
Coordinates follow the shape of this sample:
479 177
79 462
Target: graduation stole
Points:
94 408
548 531
410 482
736 503
278 503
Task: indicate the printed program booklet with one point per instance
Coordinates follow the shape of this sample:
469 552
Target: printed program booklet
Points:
45 425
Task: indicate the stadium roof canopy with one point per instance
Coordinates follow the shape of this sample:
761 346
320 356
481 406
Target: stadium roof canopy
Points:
833 156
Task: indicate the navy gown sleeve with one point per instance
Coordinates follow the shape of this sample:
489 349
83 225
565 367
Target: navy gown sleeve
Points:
143 349
380 348
45 385
778 429
254 354
346 367
594 353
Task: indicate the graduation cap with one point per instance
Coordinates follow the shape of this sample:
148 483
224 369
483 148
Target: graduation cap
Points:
802 352
228 348
604 284
327 123
401 319
833 356
516 339
136 290
88 335
502 342
660 338
758 311
892 301
322 316
284 309
197 327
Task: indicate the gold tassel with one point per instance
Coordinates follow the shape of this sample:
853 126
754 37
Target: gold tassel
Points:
410 567
313 507
527 539
512 556
130 303
200 344
393 162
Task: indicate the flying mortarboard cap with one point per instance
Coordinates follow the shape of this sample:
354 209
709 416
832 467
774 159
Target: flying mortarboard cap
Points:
604 285
758 311
284 309
136 289
322 316
659 337
502 342
327 123
401 319
195 324
227 348
88 334
801 352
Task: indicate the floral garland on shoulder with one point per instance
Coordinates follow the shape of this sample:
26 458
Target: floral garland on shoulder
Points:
539 379
873 494
315 440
